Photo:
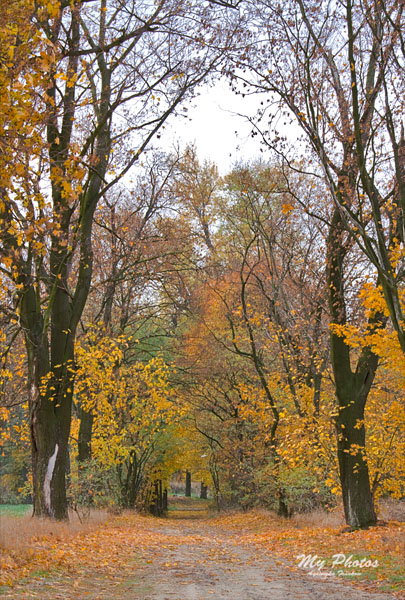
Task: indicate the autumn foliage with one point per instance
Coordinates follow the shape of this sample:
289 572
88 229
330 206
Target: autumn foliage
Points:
159 318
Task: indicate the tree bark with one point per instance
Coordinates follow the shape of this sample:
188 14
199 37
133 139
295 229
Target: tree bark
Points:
352 389
188 484
159 499
282 510
85 433
353 469
203 491
50 415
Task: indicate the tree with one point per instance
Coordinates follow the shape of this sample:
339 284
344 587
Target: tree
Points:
382 415
105 80
132 407
278 320
336 72
238 314
195 190
128 250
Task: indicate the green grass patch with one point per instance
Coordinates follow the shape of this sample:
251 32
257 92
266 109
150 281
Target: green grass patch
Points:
15 510
4 589
182 507
186 501
40 573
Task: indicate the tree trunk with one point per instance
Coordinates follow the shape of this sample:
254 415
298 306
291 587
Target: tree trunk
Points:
203 491
161 508
353 468
188 484
85 433
283 510
50 378
155 500
50 415
352 389
159 499
215 478
134 486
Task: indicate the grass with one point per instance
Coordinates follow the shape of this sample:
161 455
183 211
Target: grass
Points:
15 510
103 551
184 502
19 529
183 507
24 541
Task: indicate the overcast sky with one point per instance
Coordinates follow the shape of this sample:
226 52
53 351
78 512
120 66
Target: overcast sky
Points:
213 125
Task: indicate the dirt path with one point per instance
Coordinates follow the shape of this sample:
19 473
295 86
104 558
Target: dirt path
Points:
184 559
208 564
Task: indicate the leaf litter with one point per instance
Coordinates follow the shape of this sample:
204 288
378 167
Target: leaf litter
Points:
239 556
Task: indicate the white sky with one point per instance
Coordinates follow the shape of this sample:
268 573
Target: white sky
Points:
213 124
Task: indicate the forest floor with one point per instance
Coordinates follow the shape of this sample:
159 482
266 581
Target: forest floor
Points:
193 555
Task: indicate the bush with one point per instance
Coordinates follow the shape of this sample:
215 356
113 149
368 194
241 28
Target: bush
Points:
91 486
